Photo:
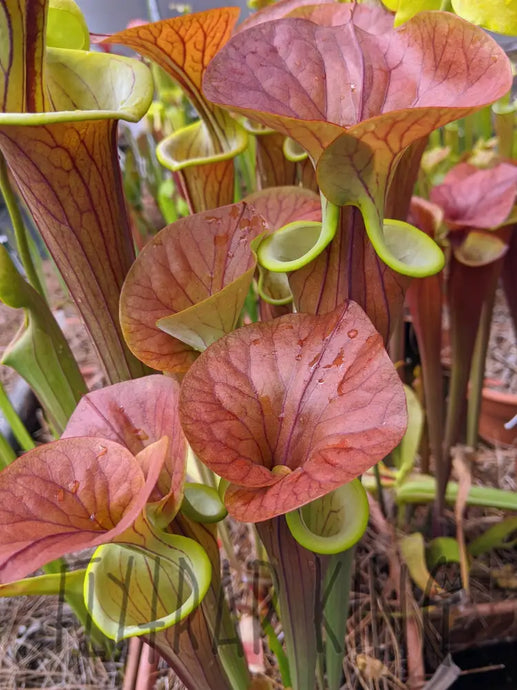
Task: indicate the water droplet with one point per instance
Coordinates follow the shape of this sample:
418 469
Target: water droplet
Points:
61 495
73 486
92 517
353 333
341 386
102 451
337 361
352 88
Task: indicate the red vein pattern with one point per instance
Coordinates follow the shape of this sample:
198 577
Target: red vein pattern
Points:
69 177
203 264
69 495
136 414
315 396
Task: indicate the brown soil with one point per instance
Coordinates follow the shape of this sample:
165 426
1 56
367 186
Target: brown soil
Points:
501 365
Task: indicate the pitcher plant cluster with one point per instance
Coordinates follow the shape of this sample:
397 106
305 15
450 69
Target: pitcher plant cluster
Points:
245 344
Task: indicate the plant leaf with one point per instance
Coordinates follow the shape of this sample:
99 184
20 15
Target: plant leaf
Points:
290 399
442 550
497 15
22 55
39 351
422 489
183 47
349 268
356 128
207 172
66 26
84 85
276 10
405 9
274 289
480 249
425 301
65 166
136 414
473 198
412 549
282 205
474 269
496 537
282 208
202 503
333 523
259 74
404 455
351 171
69 495
137 591
65 582
188 285
273 169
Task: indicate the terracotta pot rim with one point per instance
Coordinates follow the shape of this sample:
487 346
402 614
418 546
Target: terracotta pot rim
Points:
498 396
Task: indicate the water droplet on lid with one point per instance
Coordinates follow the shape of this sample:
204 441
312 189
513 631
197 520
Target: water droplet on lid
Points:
341 386
352 333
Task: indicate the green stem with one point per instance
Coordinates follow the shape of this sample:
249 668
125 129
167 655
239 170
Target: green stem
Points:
477 370
435 139
13 419
298 575
504 124
468 132
484 123
380 489
245 169
338 582
276 647
7 454
20 231
452 137
423 490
